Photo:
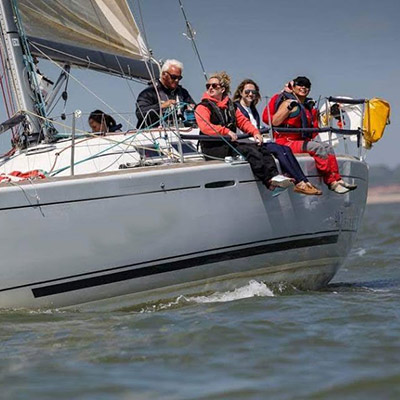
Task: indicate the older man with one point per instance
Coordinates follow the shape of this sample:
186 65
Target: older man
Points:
170 93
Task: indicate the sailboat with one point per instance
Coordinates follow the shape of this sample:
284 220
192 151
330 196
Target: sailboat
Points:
139 214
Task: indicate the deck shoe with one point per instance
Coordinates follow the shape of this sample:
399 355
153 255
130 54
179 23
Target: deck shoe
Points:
277 191
282 181
350 186
338 188
303 188
319 191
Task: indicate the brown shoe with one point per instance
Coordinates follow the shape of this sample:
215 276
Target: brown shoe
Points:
310 185
307 188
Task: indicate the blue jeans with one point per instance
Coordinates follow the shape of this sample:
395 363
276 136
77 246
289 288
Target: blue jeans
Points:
287 161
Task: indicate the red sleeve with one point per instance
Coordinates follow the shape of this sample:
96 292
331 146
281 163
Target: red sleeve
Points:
244 124
314 113
271 107
203 122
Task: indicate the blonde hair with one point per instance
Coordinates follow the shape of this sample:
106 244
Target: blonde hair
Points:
224 80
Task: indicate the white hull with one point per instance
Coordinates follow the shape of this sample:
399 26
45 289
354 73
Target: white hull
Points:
183 227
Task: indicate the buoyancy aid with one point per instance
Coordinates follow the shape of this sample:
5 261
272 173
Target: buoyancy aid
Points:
221 116
253 109
303 116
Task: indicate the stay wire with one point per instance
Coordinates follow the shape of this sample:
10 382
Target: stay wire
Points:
190 35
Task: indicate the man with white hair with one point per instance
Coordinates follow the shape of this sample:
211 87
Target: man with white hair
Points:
170 93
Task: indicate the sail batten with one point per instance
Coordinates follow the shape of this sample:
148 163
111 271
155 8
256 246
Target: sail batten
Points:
103 29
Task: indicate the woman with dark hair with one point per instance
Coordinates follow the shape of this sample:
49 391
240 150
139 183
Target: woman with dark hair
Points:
246 97
216 116
100 122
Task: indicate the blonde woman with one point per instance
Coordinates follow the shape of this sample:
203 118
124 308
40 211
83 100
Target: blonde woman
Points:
216 116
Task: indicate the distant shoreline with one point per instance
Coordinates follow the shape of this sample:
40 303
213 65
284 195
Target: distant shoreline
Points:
384 194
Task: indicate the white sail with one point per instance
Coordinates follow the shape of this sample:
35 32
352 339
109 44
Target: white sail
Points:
105 25
97 34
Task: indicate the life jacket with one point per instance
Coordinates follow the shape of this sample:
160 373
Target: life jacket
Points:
115 128
253 109
304 116
221 116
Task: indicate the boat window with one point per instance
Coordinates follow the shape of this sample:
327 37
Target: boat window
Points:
187 148
148 151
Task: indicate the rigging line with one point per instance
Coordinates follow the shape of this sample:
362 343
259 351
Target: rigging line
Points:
101 67
52 121
14 102
4 97
90 91
6 100
142 23
117 159
190 35
29 63
85 87
6 78
130 88
109 148
146 59
218 134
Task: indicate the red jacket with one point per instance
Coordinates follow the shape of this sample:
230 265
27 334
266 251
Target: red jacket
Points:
293 121
205 126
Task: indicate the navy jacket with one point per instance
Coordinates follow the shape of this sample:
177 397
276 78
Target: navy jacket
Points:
147 100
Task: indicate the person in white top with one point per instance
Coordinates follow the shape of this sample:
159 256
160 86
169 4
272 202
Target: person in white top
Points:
245 99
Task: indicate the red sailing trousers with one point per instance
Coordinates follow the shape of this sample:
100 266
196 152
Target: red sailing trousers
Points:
323 154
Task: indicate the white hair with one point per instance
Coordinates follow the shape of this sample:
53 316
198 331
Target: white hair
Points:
170 63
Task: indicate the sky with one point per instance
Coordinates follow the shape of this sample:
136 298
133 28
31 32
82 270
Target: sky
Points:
345 48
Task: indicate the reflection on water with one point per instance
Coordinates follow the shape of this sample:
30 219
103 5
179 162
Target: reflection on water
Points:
255 342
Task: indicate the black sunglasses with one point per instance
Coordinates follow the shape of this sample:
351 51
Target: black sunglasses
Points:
213 85
307 86
248 91
174 77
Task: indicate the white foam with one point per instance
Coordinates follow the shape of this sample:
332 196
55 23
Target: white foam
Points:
252 289
360 252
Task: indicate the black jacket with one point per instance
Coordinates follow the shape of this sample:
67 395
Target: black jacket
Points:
148 100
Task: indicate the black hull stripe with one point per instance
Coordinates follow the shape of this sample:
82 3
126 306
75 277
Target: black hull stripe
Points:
181 264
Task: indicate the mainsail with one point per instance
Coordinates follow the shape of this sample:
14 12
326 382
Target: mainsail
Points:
95 34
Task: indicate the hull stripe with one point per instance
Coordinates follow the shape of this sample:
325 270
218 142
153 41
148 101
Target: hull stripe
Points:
180 265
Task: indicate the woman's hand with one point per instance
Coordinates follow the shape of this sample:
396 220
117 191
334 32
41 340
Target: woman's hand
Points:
259 139
233 136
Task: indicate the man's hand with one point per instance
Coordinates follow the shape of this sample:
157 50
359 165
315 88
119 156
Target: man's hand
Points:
191 106
259 139
233 136
288 87
291 104
167 103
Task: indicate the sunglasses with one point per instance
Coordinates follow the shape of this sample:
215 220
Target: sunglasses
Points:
174 77
213 85
248 91
302 85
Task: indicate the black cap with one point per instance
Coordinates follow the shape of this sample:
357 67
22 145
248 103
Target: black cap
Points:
302 81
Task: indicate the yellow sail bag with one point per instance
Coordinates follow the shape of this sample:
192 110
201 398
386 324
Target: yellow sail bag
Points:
376 117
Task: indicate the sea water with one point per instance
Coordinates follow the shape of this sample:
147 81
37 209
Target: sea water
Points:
254 342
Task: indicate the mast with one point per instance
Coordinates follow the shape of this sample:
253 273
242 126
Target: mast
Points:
16 67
